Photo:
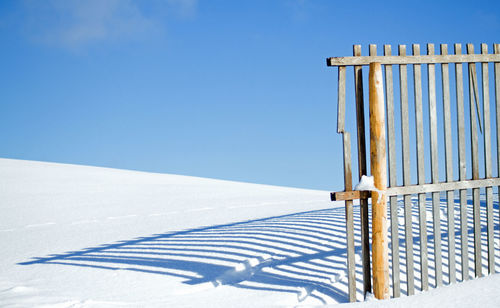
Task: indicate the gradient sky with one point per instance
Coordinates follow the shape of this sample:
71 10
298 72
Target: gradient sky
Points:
235 90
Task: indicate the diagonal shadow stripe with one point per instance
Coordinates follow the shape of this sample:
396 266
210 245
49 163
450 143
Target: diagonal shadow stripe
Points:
287 253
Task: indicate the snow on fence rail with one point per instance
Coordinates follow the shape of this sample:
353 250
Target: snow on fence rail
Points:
479 122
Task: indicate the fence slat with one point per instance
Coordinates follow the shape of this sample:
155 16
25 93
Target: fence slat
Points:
405 142
487 161
341 101
419 128
362 170
462 165
372 50
496 49
346 144
393 201
431 82
475 165
349 215
448 166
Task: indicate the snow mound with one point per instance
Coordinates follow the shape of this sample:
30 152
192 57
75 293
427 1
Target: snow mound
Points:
79 236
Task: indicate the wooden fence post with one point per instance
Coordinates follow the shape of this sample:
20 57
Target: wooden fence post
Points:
379 171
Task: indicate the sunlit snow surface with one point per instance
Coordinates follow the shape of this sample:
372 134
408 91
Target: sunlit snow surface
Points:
76 236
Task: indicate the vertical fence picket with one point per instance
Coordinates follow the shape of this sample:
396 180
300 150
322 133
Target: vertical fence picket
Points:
419 128
341 101
389 90
462 165
496 50
351 265
474 115
362 170
405 142
487 161
449 166
346 142
431 82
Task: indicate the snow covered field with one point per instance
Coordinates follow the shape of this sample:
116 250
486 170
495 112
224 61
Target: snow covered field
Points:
79 236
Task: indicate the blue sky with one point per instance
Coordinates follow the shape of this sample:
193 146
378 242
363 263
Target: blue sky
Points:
234 90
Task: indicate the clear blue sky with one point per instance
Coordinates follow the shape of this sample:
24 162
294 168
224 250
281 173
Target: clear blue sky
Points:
234 90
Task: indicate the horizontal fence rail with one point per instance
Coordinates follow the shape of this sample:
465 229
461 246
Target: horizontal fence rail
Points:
417 189
438 117
416 59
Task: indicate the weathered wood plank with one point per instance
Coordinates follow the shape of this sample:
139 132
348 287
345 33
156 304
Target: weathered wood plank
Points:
341 100
389 93
487 161
373 50
443 186
475 167
436 220
350 195
346 144
415 59
419 128
419 189
405 144
496 68
448 150
349 215
462 165
362 170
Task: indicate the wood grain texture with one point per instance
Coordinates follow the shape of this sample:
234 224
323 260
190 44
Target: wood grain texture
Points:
436 220
415 59
405 149
419 128
341 100
349 216
487 161
420 189
448 152
473 117
362 170
462 165
378 164
393 201
496 70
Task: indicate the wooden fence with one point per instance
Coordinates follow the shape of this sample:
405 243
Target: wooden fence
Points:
455 145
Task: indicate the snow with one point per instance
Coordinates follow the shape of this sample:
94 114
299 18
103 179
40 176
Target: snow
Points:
481 292
80 236
366 183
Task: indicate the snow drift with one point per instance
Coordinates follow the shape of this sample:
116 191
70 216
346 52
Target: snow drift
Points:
93 237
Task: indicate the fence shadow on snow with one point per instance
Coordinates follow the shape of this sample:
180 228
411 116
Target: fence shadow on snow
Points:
302 253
